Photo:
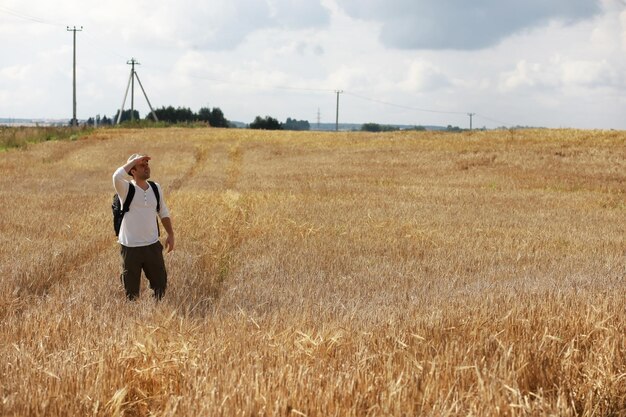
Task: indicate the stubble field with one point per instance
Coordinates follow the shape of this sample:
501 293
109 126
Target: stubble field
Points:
321 274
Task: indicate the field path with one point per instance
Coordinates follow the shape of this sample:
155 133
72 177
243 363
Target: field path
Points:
200 158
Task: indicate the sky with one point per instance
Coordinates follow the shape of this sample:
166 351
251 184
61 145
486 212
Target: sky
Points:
542 63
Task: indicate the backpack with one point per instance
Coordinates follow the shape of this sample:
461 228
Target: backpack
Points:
119 210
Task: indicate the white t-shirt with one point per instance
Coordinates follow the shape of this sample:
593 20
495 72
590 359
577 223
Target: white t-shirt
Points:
139 225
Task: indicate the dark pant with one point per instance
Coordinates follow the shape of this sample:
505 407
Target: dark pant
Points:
150 259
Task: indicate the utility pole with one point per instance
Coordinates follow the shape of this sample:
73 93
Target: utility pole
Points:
471 115
337 113
74 121
318 118
132 87
131 84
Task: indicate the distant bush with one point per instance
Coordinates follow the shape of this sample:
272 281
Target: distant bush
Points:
265 123
293 124
144 123
454 129
375 127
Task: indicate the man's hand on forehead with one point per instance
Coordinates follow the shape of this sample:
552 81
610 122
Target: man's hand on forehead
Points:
142 161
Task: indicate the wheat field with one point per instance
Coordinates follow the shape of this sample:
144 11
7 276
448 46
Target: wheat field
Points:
321 274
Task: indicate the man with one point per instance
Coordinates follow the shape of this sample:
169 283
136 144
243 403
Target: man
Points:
139 232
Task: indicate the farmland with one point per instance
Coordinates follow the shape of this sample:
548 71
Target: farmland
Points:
321 274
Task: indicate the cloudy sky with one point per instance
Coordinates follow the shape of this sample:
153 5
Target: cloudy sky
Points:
551 63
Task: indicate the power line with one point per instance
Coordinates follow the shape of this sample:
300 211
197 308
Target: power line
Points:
28 17
95 43
403 106
319 90
429 110
34 19
259 86
494 120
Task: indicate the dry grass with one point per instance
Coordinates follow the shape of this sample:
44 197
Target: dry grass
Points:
323 275
19 137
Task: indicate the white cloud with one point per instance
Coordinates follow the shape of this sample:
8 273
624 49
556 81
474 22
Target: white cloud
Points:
591 74
622 18
424 76
350 77
567 75
16 73
528 75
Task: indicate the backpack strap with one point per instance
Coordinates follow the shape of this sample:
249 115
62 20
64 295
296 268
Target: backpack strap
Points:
158 197
129 198
156 193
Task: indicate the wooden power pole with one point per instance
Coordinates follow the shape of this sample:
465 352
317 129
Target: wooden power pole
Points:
74 121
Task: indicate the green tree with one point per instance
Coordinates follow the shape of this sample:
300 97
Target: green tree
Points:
217 118
371 127
126 115
184 114
375 127
293 124
166 114
204 114
267 123
214 117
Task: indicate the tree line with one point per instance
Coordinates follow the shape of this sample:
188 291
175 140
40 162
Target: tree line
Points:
270 123
375 127
213 117
170 115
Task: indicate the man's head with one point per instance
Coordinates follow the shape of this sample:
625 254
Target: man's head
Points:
141 170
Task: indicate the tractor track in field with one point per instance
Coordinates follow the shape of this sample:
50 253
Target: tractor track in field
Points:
55 269
217 260
200 157
233 171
